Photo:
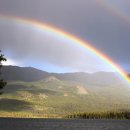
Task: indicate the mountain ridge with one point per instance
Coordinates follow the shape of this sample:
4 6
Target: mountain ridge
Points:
29 74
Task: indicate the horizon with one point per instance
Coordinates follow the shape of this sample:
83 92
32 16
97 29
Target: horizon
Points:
60 72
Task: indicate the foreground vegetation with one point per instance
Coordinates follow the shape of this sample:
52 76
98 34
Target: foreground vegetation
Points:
101 115
55 98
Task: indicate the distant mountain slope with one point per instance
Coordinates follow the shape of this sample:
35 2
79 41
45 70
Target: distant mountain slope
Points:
27 74
30 74
99 78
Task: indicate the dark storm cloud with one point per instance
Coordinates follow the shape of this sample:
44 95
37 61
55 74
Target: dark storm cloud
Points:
83 18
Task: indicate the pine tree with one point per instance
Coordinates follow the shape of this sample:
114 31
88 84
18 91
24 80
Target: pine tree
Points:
2 82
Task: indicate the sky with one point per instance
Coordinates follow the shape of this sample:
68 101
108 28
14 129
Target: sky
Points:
105 24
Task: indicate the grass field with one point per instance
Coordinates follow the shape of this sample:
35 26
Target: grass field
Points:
56 98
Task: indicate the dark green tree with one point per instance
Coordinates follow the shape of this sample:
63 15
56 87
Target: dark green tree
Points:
2 82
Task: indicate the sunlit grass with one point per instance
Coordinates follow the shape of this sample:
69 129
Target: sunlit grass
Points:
56 100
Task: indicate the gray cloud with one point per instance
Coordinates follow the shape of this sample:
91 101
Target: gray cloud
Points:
89 20
23 43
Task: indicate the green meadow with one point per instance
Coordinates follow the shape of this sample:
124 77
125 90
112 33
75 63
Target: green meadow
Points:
60 98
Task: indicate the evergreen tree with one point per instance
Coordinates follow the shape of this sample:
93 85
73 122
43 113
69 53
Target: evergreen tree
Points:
2 82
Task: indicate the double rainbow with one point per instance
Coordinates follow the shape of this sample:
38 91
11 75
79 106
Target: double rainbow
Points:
74 40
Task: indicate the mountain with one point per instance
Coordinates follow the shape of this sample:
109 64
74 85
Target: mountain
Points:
34 93
98 78
27 74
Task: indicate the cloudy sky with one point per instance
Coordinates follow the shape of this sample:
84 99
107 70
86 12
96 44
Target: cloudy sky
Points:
105 24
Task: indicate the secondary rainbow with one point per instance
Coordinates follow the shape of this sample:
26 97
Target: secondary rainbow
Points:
73 39
116 11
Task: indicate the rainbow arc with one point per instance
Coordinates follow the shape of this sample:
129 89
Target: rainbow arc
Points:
59 33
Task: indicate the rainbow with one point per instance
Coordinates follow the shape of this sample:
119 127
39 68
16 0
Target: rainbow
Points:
117 12
71 38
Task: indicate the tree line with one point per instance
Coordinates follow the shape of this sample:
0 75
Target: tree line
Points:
101 115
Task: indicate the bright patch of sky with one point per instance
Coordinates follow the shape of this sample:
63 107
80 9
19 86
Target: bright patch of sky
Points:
9 62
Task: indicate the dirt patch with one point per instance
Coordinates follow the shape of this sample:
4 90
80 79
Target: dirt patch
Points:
65 94
81 90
